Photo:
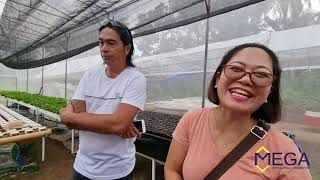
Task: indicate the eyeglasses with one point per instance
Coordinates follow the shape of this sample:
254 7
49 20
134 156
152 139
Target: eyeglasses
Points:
258 78
120 26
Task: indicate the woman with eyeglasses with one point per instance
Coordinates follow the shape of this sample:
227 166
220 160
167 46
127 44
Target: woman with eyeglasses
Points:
246 90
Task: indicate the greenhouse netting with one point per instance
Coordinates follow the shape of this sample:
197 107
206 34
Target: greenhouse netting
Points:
170 49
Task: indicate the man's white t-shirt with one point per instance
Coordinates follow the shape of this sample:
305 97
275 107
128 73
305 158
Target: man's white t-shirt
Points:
108 156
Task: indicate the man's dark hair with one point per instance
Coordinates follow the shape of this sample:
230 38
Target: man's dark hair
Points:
270 111
125 36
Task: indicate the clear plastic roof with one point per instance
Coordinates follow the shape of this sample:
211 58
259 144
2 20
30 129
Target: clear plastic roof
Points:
34 33
39 32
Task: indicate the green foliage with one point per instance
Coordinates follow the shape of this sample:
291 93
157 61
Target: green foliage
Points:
51 104
239 23
175 87
301 86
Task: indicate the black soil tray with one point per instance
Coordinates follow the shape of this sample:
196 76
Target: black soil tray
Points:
156 142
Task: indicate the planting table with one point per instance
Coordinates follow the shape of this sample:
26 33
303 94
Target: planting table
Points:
38 111
15 127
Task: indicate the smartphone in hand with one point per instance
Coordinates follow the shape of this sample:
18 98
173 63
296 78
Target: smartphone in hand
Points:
140 125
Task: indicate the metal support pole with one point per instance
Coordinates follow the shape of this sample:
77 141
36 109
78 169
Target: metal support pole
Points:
205 55
42 88
28 74
43 55
66 69
153 165
27 80
16 82
153 169
72 141
43 148
65 90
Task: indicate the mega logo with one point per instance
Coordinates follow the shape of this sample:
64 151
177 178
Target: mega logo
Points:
263 159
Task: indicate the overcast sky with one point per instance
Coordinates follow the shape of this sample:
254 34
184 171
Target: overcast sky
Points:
2 3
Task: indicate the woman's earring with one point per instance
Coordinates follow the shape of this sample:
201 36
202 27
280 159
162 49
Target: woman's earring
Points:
216 86
266 101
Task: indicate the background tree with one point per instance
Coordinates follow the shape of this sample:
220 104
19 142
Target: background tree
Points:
273 15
